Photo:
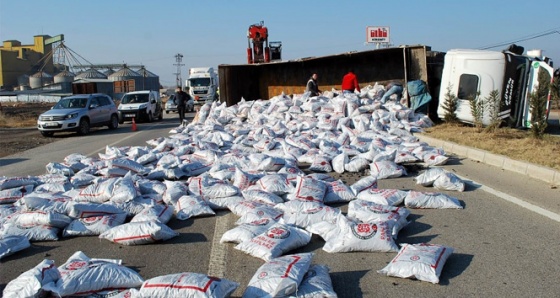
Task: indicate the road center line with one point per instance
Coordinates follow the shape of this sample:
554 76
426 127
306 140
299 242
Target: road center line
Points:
109 145
218 254
514 200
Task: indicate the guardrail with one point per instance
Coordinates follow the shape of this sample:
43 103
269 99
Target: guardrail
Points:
30 98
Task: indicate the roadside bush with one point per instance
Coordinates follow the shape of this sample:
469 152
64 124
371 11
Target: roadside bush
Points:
555 93
538 115
477 110
538 106
493 105
450 106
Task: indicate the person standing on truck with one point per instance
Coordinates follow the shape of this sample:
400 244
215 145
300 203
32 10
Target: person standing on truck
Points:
312 86
181 98
393 87
350 83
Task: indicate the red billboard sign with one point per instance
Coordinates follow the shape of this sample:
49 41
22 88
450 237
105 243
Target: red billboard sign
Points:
377 34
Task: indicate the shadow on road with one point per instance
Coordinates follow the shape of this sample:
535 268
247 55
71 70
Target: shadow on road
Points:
348 282
125 128
9 161
404 238
455 266
34 249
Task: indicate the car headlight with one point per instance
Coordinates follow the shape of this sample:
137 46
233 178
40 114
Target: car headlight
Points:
143 106
71 116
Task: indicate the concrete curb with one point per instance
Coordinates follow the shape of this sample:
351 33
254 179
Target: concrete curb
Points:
542 173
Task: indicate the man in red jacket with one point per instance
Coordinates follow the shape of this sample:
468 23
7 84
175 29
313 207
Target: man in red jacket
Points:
349 83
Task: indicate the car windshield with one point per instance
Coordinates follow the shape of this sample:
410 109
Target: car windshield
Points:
134 98
71 103
198 82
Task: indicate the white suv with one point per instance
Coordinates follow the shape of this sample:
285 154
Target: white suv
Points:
141 105
79 113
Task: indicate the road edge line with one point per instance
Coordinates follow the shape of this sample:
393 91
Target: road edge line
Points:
514 200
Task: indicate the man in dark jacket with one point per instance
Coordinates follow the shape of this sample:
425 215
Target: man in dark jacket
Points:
181 98
312 86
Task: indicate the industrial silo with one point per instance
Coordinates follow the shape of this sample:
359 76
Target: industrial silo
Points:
64 76
23 82
150 81
91 74
40 79
109 72
127 78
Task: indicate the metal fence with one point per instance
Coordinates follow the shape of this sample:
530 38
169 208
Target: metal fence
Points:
30 98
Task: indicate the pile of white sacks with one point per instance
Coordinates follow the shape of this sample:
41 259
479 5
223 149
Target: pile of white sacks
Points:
268 162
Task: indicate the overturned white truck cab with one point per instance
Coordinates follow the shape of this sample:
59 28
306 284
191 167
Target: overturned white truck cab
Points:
473 74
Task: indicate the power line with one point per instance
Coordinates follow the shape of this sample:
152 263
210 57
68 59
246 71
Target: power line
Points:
524 38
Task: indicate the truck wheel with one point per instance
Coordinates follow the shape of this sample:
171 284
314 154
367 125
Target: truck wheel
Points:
114 122
150 117
167 112
83 129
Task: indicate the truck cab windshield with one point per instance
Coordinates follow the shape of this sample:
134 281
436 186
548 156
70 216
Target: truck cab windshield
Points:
199 82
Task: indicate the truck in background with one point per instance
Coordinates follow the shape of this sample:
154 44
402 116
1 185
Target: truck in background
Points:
473 74
203 84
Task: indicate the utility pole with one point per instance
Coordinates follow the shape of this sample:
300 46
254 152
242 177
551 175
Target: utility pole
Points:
179 59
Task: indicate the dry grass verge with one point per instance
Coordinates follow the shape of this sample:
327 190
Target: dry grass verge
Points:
17 115
7 121
514 143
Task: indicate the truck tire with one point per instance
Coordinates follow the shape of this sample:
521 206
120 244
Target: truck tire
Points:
150 117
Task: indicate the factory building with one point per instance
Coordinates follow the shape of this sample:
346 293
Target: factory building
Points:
42 70
17 60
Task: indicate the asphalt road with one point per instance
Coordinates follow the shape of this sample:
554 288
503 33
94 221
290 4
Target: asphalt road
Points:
505 244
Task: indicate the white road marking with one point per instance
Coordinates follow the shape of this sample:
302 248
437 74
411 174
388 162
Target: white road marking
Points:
512 199
218 254
114 143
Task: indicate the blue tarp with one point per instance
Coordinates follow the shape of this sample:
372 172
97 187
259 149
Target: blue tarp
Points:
419 96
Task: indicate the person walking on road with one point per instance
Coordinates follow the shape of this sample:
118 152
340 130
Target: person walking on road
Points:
181 98
350 83
312 86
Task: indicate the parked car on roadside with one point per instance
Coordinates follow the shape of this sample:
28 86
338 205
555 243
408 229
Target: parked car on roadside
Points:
141 105
170 105
79 113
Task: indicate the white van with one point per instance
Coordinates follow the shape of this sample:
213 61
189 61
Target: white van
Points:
141 105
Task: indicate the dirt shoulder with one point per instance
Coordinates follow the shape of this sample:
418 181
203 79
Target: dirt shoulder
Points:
15 140
17 127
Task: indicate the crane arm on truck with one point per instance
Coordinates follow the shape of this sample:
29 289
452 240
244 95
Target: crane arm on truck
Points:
258 50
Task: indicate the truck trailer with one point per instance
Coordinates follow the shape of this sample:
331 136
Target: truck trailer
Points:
468 74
